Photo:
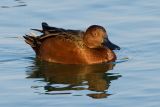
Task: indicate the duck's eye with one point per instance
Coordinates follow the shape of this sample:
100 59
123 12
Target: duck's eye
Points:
94 34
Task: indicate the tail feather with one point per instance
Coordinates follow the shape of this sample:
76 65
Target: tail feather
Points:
32 41
29 40
41 31
45 26
46 29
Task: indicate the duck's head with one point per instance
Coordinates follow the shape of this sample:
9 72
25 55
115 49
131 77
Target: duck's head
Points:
96 36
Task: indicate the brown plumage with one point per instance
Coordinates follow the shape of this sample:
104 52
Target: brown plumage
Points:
72 46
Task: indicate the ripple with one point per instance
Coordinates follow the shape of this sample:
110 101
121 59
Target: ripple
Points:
8 60
19 3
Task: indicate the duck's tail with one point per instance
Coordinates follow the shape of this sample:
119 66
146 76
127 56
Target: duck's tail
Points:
33 41
47 31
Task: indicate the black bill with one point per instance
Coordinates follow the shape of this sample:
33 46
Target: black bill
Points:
110 45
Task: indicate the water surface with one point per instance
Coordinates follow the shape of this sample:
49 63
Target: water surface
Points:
133 25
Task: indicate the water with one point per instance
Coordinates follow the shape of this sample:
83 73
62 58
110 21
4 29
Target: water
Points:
133 25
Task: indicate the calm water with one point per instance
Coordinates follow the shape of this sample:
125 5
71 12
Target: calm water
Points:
27 82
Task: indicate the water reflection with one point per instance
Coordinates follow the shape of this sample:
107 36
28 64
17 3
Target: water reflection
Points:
19 3
61 78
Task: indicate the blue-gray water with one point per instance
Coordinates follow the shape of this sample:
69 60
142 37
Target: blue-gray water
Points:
132 24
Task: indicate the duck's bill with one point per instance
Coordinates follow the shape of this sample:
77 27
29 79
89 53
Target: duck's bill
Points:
111 45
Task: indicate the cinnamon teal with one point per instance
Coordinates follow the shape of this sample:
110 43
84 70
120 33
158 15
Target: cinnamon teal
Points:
67 46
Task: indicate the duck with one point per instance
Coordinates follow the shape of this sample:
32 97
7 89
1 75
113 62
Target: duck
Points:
67 46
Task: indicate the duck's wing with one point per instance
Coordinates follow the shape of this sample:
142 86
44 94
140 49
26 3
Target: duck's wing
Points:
47 31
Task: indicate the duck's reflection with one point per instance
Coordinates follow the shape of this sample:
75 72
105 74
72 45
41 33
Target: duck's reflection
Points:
74 77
